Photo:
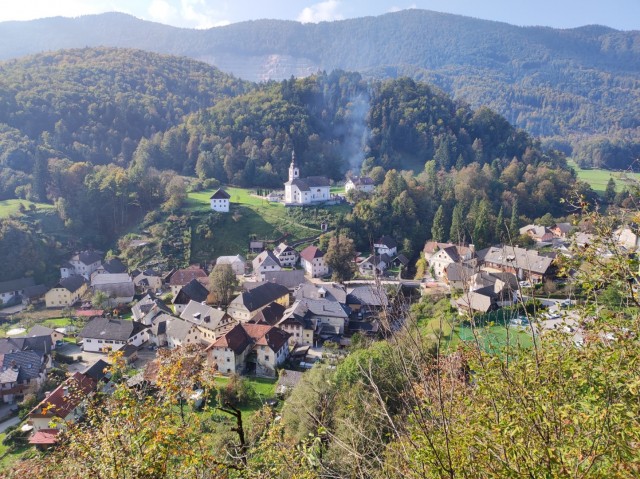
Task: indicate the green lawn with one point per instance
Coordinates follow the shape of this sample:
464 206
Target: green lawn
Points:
57 323
9 207
598 178
249 217
492 338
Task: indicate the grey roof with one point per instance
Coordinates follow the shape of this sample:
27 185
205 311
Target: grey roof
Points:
288 379
305 184
362 180
20 365
459 272
192 291
368 295
261 296
515 257
370 327
331 291
39 330
73 283
35 291
202 315
402 259
387 241
114 266
41 344
299 313
97 370
270 315
323 307
159 325
283 248
149 304
179 329
16 285
476 301
230 259
564 227
111 278
89 257
266 258
220 194
112 329
289 278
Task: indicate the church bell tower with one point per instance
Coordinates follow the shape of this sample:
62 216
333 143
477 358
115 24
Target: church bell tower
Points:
294 172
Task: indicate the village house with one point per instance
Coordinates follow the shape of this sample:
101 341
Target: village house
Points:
148 308
503 285
440 256
38 330
305 191
182 277
211 322
64 405
286 255
313 262
11 291
298 322
359 183
67 292
367 300
457 275
386 245
220 201
525 264
289 278
265 261
180 333
21 372
237 263
147 280
540 234
374 265
627 238
326 304
118 287
252 349
111 266
192 291
248 304
103 335
562 230
83 263
479 301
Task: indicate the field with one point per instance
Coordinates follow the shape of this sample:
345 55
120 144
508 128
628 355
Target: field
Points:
9 207
249 217
491 338
598 178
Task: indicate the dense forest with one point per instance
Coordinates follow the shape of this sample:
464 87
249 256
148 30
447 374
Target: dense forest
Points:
562 85
109 135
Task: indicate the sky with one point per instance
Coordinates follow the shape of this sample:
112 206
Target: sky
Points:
619 14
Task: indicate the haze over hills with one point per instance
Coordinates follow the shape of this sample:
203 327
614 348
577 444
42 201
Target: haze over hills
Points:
566 84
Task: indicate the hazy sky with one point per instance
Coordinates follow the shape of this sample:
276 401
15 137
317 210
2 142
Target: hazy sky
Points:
620 14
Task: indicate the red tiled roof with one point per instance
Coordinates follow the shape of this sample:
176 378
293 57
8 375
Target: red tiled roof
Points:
245 334
184 276
311 252
44 436
60 402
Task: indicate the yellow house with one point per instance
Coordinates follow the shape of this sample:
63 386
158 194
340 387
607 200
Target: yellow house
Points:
67 292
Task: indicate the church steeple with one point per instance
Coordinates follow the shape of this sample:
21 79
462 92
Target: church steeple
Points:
294 172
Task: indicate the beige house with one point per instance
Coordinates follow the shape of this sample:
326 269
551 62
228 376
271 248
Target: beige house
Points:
299 323
211 322
312 261
250 349
67 292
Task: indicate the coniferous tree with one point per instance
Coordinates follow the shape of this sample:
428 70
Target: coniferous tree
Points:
610 191
437 230
482 226
499 232
456 233
514 224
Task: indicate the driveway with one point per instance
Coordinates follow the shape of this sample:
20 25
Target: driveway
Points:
8 423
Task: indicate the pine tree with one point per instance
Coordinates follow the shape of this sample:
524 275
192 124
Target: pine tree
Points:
514 224
482 226
610 192
437 230
456 233
499 231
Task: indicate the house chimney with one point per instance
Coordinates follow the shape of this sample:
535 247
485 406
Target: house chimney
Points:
65 391
46 394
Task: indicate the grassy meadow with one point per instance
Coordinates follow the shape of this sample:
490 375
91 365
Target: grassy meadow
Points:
598 178
10 207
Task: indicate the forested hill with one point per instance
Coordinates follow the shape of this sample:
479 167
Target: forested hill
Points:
96 104
564 84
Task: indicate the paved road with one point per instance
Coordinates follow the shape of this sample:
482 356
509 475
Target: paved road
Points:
8 423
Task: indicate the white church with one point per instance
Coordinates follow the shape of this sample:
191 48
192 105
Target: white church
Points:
305 191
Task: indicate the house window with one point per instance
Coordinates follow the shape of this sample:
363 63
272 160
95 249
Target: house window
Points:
228 360
88 340
266 358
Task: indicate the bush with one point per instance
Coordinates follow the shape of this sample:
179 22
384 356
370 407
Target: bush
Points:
237 392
